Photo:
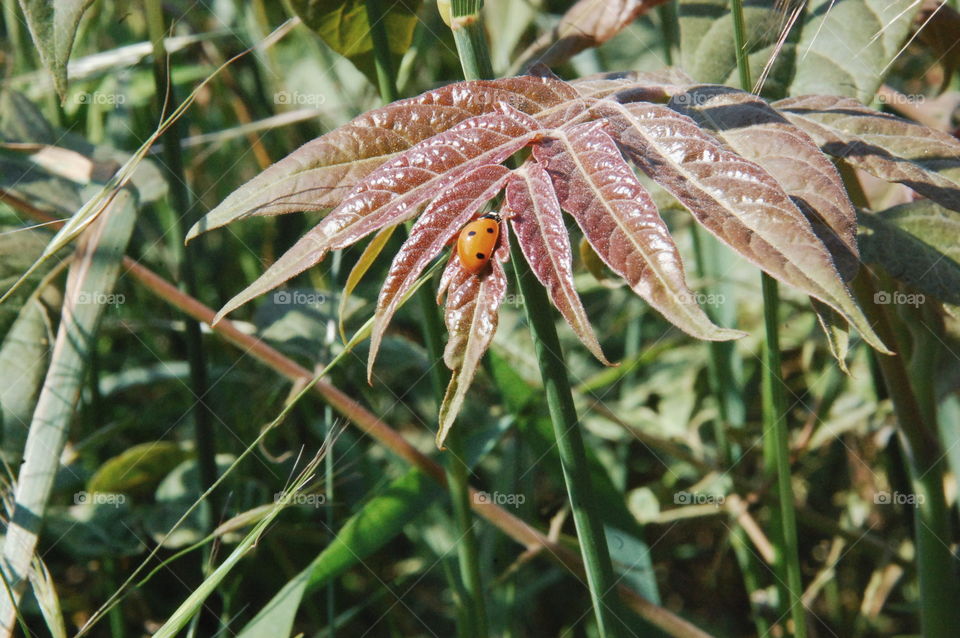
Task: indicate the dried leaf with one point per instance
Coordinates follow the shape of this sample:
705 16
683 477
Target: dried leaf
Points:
322 172
891 148
534 213
438 224
620 220
836 330
393 193
471 314
734 199
753 129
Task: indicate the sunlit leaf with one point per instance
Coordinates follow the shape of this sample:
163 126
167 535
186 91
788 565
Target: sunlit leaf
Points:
435 228
534 213
587 24
889 147
394 192
471 313
321 173
753 129
736 200
847 47
620 220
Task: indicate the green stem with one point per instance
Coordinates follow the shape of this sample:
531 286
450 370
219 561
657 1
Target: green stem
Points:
936 564
471 41
381 52
573 456
204 434
740 42
457 474
777 455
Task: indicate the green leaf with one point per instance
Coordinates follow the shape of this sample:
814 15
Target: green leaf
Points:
53 25
917 244
847 47
345 26
707 49
139 469
382 518
96 528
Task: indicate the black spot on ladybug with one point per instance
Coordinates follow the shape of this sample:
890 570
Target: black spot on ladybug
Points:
481 256
471 233
489 230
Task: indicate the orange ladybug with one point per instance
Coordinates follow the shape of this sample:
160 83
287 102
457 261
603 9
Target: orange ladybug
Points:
477 241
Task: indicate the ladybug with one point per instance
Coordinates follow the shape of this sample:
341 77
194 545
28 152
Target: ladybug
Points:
477 241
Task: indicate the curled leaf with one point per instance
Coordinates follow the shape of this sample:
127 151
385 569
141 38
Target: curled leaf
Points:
534 213
621 222
438 224
471 314
734 199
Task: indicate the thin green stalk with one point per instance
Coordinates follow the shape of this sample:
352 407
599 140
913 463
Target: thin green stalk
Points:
204 435
776 440
467 25
936 563
573 456
777 456
472 596
466 22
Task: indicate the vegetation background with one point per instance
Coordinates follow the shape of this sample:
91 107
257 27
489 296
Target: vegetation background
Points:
329 519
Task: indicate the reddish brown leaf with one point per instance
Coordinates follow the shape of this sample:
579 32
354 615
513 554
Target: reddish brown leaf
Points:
393 193
471 313
438 224
633 86
534 213
322 172
753 129
621 222
588 23
734 199
891 148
